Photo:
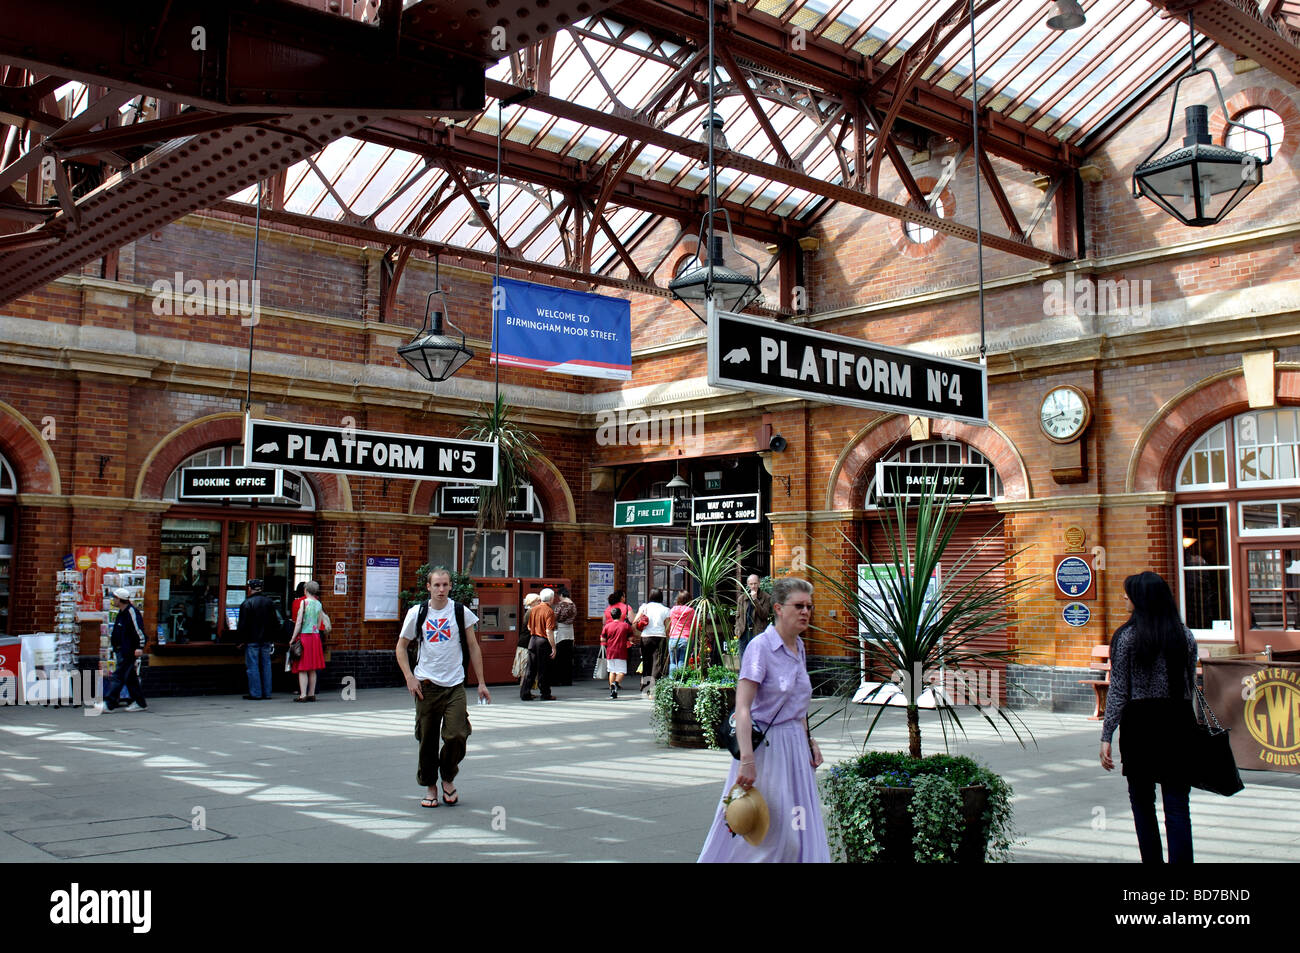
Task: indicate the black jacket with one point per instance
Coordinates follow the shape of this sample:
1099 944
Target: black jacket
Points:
257 620
126 638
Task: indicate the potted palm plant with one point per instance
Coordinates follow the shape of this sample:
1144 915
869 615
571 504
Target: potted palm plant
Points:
691 706
928 629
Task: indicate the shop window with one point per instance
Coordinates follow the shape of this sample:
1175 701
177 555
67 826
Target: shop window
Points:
1271 130
1205 565
210 549
1205 467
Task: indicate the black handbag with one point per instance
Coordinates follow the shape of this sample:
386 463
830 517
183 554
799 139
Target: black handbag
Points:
758 737
295 649
1213 767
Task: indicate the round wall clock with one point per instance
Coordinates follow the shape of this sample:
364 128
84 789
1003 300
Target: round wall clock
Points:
1065 413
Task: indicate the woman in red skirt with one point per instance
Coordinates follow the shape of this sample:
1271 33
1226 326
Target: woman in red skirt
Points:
311 622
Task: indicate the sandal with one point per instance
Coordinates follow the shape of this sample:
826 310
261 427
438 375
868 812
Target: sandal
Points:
429 801
452 799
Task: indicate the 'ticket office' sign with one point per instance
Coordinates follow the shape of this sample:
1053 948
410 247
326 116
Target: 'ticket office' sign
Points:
275 443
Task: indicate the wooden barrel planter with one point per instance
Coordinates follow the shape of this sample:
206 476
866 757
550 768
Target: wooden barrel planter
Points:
683 729
896 844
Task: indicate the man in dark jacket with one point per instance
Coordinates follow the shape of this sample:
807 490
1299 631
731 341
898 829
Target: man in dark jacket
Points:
128 645
753 614
257 628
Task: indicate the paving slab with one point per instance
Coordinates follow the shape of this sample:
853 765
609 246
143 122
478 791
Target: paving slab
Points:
578 780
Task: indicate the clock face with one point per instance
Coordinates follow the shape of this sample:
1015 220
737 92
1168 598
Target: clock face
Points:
1064 413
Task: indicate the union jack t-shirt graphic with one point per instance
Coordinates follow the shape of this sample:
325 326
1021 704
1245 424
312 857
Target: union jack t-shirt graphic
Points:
437 630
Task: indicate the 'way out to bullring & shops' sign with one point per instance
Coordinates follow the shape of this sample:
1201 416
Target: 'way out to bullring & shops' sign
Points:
275 443
757 354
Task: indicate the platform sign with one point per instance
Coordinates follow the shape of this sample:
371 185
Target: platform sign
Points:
1074 578
275 443
629 513
1076 613
757 354
717 510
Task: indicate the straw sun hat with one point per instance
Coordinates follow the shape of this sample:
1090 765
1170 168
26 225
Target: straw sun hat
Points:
747 815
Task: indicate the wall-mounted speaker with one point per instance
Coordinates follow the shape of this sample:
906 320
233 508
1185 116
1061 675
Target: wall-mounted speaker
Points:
777 443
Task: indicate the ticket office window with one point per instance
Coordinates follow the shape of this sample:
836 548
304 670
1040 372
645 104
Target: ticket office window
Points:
209 551
502 554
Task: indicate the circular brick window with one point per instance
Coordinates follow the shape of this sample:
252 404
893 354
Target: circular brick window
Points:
1270 132
920 234
918 241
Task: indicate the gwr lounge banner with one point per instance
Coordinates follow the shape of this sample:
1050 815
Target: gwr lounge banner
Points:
1260 703
565 332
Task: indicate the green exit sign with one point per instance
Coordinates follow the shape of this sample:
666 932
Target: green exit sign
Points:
643 513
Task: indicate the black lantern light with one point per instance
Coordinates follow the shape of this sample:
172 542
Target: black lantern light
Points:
713 282
435 355
1201 182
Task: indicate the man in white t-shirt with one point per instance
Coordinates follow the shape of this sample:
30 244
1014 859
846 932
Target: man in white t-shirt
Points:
438 685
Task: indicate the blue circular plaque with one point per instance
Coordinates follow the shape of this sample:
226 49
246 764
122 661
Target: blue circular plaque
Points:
1076 613
1073 576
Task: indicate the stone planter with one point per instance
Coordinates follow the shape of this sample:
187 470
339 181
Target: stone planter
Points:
683 729
896 843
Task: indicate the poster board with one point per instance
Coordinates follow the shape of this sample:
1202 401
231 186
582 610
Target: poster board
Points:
93 562
381 585
600 583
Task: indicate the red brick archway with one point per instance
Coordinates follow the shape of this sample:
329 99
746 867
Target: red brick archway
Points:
1180 423
332 491
856 468
33 463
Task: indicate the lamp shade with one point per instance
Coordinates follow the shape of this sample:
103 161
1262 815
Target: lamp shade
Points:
1201 182
434 355
731 290
1068 16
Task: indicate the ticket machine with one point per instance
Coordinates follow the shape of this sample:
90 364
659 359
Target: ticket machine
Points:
498 626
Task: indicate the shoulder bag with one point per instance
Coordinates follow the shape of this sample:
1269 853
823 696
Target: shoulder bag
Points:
756 736
1213 767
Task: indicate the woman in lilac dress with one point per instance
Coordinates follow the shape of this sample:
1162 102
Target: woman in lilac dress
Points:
774 691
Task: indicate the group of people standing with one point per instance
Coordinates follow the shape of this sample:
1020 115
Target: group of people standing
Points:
260 628
546 635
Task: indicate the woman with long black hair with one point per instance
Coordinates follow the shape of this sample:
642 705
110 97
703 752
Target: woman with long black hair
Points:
1152 682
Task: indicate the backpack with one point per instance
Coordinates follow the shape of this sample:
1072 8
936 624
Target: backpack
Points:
413 648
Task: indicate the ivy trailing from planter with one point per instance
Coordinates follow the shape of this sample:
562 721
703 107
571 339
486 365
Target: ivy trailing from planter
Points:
710 711
856 815
710 701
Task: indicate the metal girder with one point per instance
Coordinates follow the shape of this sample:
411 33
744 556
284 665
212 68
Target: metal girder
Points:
763 40
733 160
478 151
181 177
378 236
269 56
1240 27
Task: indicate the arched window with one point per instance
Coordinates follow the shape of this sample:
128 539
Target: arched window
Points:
8 482
504 553
1270 128
1239 530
